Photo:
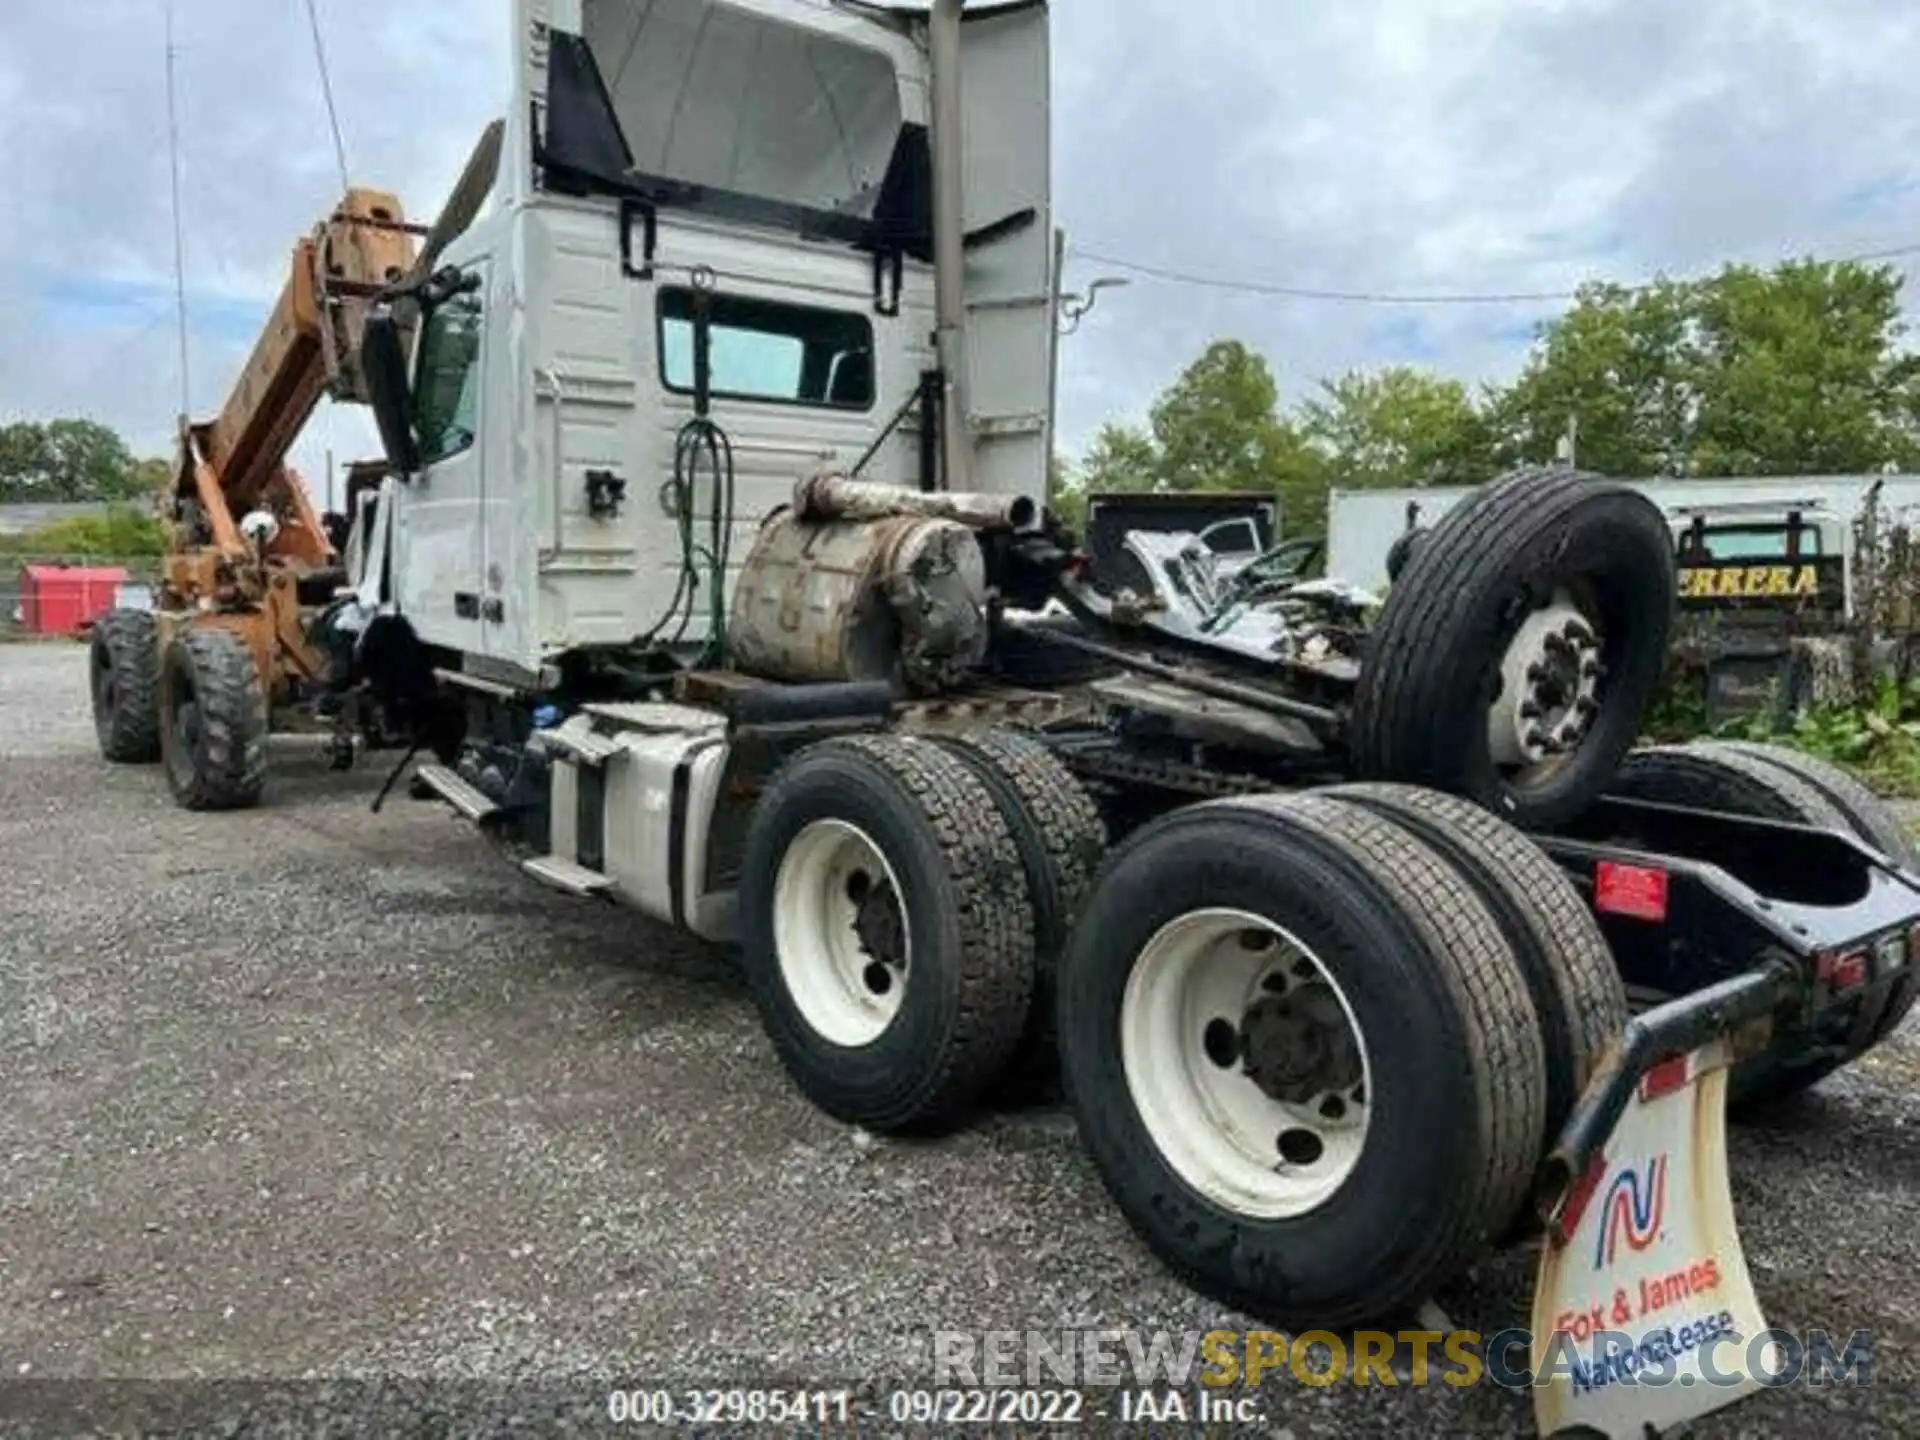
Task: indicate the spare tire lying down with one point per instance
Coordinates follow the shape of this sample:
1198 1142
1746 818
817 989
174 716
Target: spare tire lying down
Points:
1519 646
1304 1053
1770 783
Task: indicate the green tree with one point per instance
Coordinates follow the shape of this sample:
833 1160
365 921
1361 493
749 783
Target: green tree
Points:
1066 492
1398 426
1120 458
1619 363
1799 372
1794 370
26 463
69 461
1218 426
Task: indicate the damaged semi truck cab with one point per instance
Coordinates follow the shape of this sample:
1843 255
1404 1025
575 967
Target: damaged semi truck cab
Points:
724 213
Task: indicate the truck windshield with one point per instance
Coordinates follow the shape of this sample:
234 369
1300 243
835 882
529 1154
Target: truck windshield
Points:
1752 542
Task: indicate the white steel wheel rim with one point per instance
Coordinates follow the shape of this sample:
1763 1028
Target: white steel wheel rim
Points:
1550 680
1220 1130
843 991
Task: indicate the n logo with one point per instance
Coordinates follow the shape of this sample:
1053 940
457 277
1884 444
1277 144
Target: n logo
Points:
1634 1208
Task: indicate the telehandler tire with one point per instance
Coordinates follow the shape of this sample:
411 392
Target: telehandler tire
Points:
124 658
1062 840
1520 646
1569 967
886 931
1734 781
213 720
1302 1056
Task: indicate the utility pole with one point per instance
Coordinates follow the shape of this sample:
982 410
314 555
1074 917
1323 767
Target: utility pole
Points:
1567 452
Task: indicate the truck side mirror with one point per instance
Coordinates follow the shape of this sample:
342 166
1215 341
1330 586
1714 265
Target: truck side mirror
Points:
383 359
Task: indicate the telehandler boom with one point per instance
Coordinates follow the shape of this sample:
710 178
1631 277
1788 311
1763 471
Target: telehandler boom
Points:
255 619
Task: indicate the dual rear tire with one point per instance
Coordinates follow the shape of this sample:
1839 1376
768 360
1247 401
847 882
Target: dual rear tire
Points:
1303 1047
902 904
1313 1043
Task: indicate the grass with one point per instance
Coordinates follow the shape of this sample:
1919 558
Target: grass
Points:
1877 738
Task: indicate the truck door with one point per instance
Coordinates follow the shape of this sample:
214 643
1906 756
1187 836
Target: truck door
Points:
1010 282
439 532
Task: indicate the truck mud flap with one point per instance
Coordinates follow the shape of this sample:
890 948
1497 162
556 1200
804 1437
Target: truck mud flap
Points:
1644 1314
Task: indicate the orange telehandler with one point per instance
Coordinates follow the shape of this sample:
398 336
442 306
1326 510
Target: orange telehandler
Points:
241 635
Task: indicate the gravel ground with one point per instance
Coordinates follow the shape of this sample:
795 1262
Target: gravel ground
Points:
308 1092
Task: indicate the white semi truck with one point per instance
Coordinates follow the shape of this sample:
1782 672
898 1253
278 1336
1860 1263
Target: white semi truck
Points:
708 568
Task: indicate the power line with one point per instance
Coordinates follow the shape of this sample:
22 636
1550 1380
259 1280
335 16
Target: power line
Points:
326 89
1371 297
179 220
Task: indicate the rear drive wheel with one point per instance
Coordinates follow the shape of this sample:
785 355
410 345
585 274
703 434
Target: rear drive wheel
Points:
124 667
1062 840
1571 976
885 931
1520 646
213 731
1737 782
1302 1057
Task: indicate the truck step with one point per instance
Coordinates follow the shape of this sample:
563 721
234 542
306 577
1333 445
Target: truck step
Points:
457 793
564 875
581 746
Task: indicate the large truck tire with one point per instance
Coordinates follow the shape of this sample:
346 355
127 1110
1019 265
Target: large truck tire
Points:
1062 841
1712 776
124 666
213 720
1866 814
1520 647
1571 976
886 931
1302 1056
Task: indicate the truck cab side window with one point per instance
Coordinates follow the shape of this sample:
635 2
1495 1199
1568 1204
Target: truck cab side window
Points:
447 390
771 351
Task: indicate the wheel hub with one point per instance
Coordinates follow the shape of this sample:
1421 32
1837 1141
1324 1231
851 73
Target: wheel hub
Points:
1549 687
878 922
844 948
1246 1063
1298 1046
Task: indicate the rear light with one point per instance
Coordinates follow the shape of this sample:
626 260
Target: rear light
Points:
1890 956
1638 892
1579 1196
1842 972
1913 945
1665 1077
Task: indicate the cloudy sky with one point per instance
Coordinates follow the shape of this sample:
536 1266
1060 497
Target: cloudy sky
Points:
1405 146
